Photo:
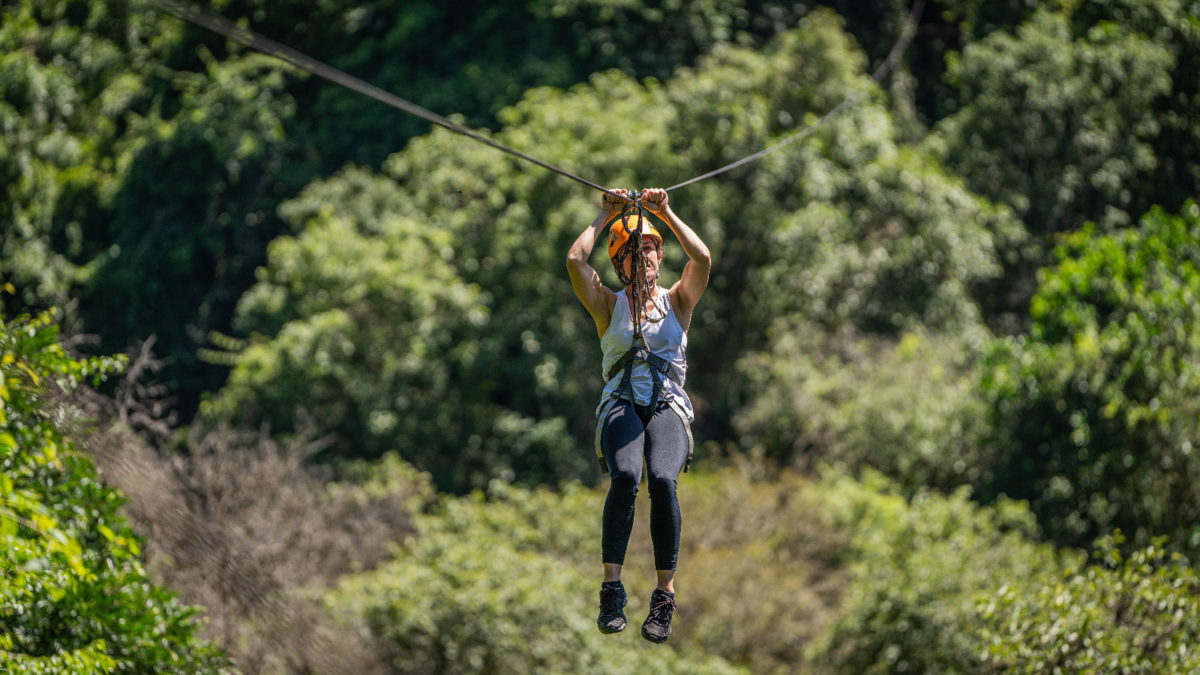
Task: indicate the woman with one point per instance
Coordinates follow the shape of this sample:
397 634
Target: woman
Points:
644 414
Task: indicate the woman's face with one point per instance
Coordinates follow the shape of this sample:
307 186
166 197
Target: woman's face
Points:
652 252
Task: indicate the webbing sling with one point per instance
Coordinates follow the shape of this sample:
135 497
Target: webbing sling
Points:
639 353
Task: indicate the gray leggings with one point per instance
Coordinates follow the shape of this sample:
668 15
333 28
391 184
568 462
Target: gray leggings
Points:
631 433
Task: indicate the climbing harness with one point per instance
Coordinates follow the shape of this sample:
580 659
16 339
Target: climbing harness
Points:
625 244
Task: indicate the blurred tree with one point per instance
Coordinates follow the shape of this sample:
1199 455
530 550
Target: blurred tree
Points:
919 569
907 409
1117 614
73 594
144 193
1051 123
880 241
492 584
376 338
72 77
1094 416
941 584
193 215
1076 112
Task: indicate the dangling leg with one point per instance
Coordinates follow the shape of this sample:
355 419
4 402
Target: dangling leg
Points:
621 440
666 451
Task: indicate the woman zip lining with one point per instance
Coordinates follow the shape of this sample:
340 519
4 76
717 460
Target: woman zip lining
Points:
644 413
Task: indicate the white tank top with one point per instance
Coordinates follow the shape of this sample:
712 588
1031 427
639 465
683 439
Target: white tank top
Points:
666 339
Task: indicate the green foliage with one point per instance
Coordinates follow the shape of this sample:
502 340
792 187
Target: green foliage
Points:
196 204
777 575
943 585
71 75
1172 26
1076 112
890 244
1057 124
907 409
474 58
495 583
979 18
919 569
1118 615
760 570
377 337
73 593
1094 416
523 567
145 193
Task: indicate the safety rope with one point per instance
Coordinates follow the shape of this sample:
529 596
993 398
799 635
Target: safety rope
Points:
636 281
270 47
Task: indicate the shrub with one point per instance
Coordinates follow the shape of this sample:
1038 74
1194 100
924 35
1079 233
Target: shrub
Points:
918 570
495 583
906 408
941 584
1120 615
1094 416
73 593
761 572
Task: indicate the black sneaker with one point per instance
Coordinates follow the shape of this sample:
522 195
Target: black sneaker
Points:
657 627
612 599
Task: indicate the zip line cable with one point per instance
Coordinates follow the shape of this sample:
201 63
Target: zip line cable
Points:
306 63
270 47
893 57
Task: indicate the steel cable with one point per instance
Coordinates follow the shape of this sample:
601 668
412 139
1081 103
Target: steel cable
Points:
270 47
881 72
280 51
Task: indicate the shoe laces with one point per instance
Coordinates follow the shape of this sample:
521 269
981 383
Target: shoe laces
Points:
660 611
610 600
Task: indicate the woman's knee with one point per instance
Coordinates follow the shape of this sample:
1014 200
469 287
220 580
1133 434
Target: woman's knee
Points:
624 482
661 486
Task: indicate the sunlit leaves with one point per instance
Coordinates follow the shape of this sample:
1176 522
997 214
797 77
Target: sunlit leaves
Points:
919 566
1117 614
73 594
1095 413
441 606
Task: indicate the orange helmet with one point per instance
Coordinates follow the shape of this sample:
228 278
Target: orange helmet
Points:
619 233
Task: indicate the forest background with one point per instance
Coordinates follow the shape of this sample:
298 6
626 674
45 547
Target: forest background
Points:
292 383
